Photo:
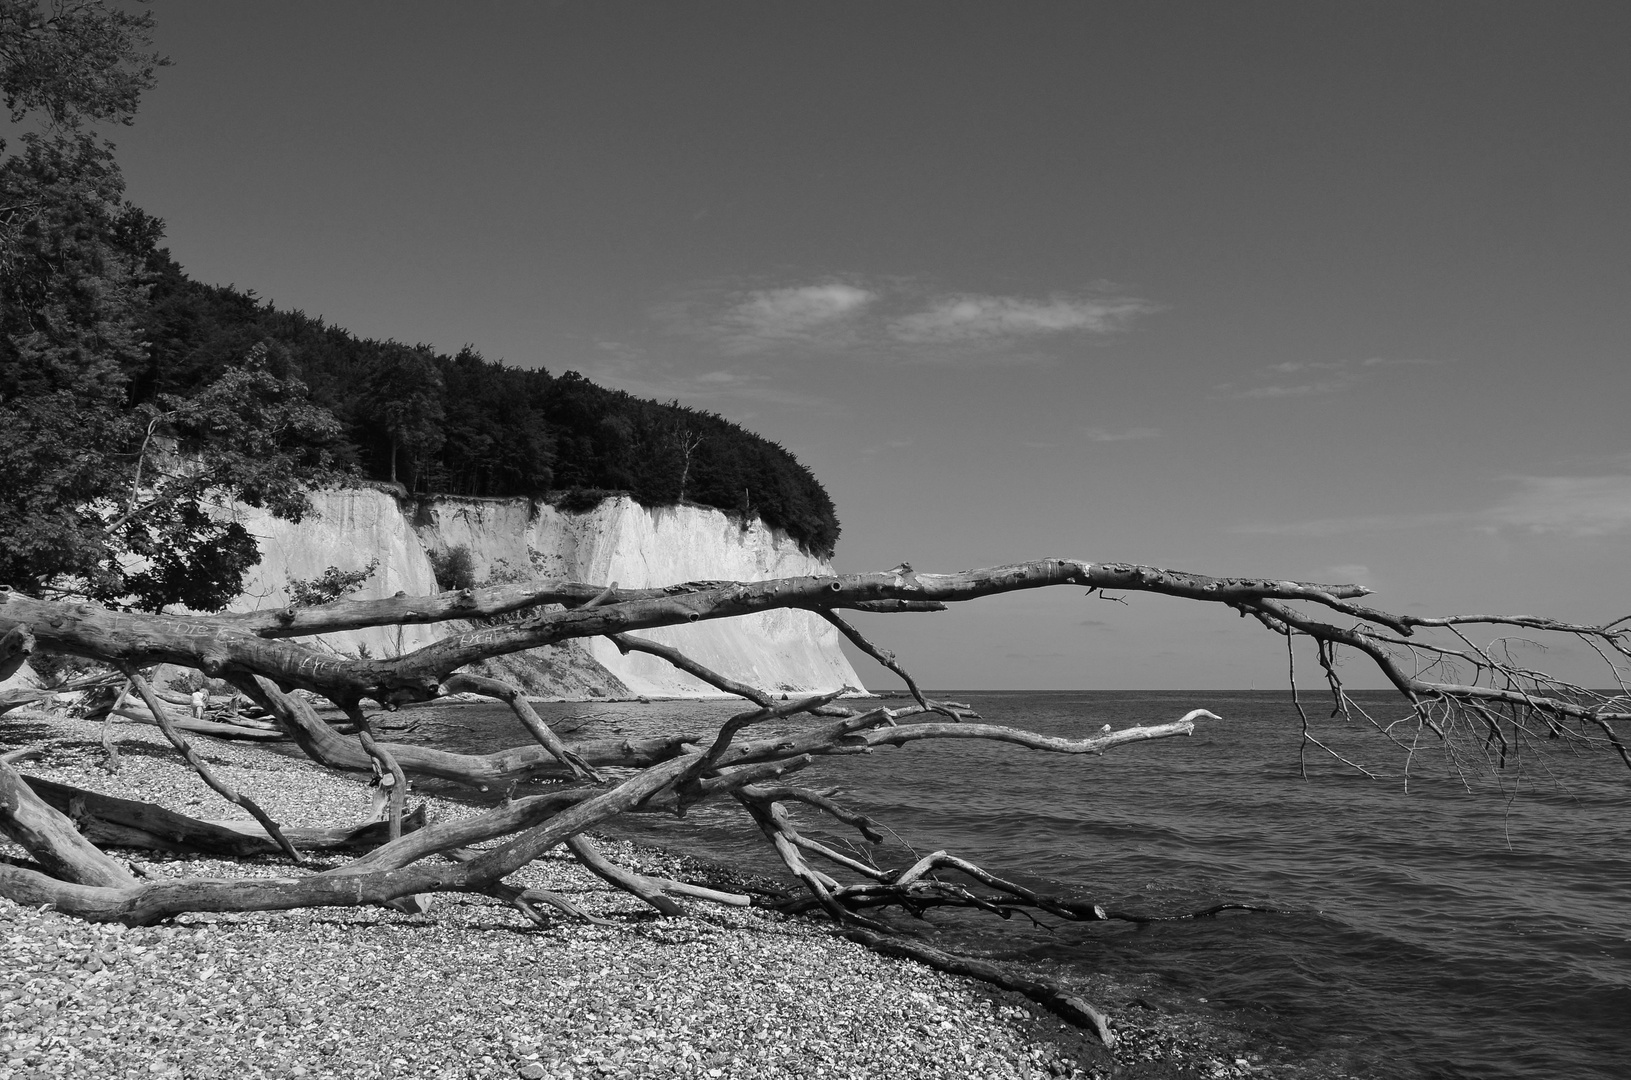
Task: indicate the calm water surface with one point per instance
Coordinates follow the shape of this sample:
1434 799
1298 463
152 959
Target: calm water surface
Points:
1428 932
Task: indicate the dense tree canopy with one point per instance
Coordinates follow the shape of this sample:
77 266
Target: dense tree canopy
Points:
133 397
74 60
464 425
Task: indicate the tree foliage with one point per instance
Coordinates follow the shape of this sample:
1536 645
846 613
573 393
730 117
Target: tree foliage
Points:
75 60
330 586
404 394
68 331
464 425
109 470
136 402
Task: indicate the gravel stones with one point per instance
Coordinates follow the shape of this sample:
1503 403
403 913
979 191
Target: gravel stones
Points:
472 989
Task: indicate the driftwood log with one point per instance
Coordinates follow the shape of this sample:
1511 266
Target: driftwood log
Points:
1459 693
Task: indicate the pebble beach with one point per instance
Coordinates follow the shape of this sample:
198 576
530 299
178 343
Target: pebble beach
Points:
472 989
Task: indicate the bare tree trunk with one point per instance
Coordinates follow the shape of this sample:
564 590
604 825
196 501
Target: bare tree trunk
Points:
51 837
735 762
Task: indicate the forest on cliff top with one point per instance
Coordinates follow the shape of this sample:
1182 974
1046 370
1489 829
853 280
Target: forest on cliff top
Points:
463 425
109 351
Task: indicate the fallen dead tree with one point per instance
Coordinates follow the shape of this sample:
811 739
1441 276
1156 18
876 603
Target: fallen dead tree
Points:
1473 700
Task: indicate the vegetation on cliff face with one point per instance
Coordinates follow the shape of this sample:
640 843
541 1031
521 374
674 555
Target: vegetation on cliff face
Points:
463 425
128 391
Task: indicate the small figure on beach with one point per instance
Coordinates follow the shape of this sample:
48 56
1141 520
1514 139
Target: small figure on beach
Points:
199 697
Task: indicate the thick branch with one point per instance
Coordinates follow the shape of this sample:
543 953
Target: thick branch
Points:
224 647
219 786
627 643
385 765
16 646
1097 744
328 747
621 876
1051 996
476 684
51 837
109 820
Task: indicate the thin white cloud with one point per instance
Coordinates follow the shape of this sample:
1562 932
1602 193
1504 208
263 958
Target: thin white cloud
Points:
1575 506
1295 390
1319 528
892 320
1323 377
774 316
979 318
1099 434
1400 361
1291 367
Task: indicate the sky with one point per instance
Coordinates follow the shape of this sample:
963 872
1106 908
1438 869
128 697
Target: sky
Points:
1336 292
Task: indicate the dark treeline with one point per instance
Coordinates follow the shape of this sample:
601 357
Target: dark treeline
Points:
463 425
131 396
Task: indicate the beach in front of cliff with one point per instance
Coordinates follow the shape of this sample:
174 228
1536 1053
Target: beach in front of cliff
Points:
473 989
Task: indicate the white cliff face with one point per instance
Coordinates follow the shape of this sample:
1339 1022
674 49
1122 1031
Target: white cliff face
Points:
349 529
620 541
636 547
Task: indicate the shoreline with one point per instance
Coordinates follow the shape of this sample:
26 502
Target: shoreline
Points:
472 989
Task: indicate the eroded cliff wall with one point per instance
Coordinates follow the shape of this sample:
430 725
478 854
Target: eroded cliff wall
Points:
620 541
637 547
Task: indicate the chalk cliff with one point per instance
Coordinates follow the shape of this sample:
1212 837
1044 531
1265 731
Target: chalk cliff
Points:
620 541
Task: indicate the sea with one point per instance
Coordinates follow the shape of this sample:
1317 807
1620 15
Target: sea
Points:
1421 918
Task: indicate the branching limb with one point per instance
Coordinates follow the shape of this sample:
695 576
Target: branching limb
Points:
1422 690
771 820
232 646
480 603
111 821
913 887
816 847
327 747
1097 744
385 765
459 833
627 880
219 786
821 801
627 643
151 901
464 682
52 838
1050 996
881 655
526 901
727 731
